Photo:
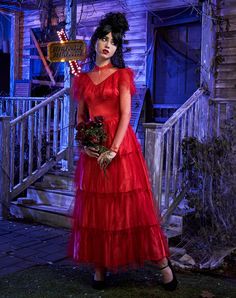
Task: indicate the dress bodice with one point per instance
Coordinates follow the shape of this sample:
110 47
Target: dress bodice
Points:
100 90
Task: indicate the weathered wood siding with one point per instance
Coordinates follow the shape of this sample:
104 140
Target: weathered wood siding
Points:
90 14
225 82
28 20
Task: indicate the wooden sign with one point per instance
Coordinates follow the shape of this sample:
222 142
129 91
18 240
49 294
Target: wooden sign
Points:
66 51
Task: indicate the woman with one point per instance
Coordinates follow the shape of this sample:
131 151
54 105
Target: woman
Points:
115 224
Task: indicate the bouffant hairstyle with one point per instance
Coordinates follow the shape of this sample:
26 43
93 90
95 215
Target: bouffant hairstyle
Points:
117 24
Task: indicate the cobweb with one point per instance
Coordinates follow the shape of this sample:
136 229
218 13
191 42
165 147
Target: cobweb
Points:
209 228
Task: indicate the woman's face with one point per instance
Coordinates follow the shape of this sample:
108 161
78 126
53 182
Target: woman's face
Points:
105 47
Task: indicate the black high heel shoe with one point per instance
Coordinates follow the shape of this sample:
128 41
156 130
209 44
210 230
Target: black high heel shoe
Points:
172 285
99 284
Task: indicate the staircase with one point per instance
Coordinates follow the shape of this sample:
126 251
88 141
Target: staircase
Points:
49 201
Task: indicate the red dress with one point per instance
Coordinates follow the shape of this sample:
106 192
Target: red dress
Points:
114 221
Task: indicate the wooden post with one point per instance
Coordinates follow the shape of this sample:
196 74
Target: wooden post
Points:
14 68
68 107
208 52
154 158
4 166
208 49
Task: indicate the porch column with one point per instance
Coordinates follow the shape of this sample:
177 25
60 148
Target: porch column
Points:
14 50
4 166
154 158
208 52
68 107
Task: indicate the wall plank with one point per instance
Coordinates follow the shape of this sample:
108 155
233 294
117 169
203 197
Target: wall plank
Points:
225 83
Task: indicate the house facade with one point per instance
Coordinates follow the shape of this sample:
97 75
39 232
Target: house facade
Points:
183 56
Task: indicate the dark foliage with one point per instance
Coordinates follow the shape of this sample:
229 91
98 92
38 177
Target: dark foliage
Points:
209 168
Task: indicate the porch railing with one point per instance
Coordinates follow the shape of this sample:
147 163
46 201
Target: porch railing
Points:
222 109
16 106
34 142
163 150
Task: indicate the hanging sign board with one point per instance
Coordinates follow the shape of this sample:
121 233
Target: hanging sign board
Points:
66 51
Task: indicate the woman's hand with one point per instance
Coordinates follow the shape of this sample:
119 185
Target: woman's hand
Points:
105 158
91 151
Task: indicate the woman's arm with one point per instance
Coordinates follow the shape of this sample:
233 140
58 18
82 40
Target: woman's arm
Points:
125 114
126 88
81 112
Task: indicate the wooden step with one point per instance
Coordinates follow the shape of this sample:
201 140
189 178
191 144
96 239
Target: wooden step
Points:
60 217
45 214
51 197
49 201
58 191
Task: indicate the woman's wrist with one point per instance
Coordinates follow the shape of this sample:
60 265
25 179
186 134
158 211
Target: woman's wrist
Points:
114 149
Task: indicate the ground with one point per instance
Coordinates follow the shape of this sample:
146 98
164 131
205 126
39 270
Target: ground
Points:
33 263
61 281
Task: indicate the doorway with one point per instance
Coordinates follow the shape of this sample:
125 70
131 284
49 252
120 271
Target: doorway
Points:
173 63
5 36
177 56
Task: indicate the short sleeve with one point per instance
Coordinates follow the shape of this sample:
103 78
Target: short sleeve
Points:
78 87
126 80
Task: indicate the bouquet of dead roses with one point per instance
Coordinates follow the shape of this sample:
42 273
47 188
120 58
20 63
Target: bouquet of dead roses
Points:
92 134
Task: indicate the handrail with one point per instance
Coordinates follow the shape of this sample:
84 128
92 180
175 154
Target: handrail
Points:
179 113
40 105
163 150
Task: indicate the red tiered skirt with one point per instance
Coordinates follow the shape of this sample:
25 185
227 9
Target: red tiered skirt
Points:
114 220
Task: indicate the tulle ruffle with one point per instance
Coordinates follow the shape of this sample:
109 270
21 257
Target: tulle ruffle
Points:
120 249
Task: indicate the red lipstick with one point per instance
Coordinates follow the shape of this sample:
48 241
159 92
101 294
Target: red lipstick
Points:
105 51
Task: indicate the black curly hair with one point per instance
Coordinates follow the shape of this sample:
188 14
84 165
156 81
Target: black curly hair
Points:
117 24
